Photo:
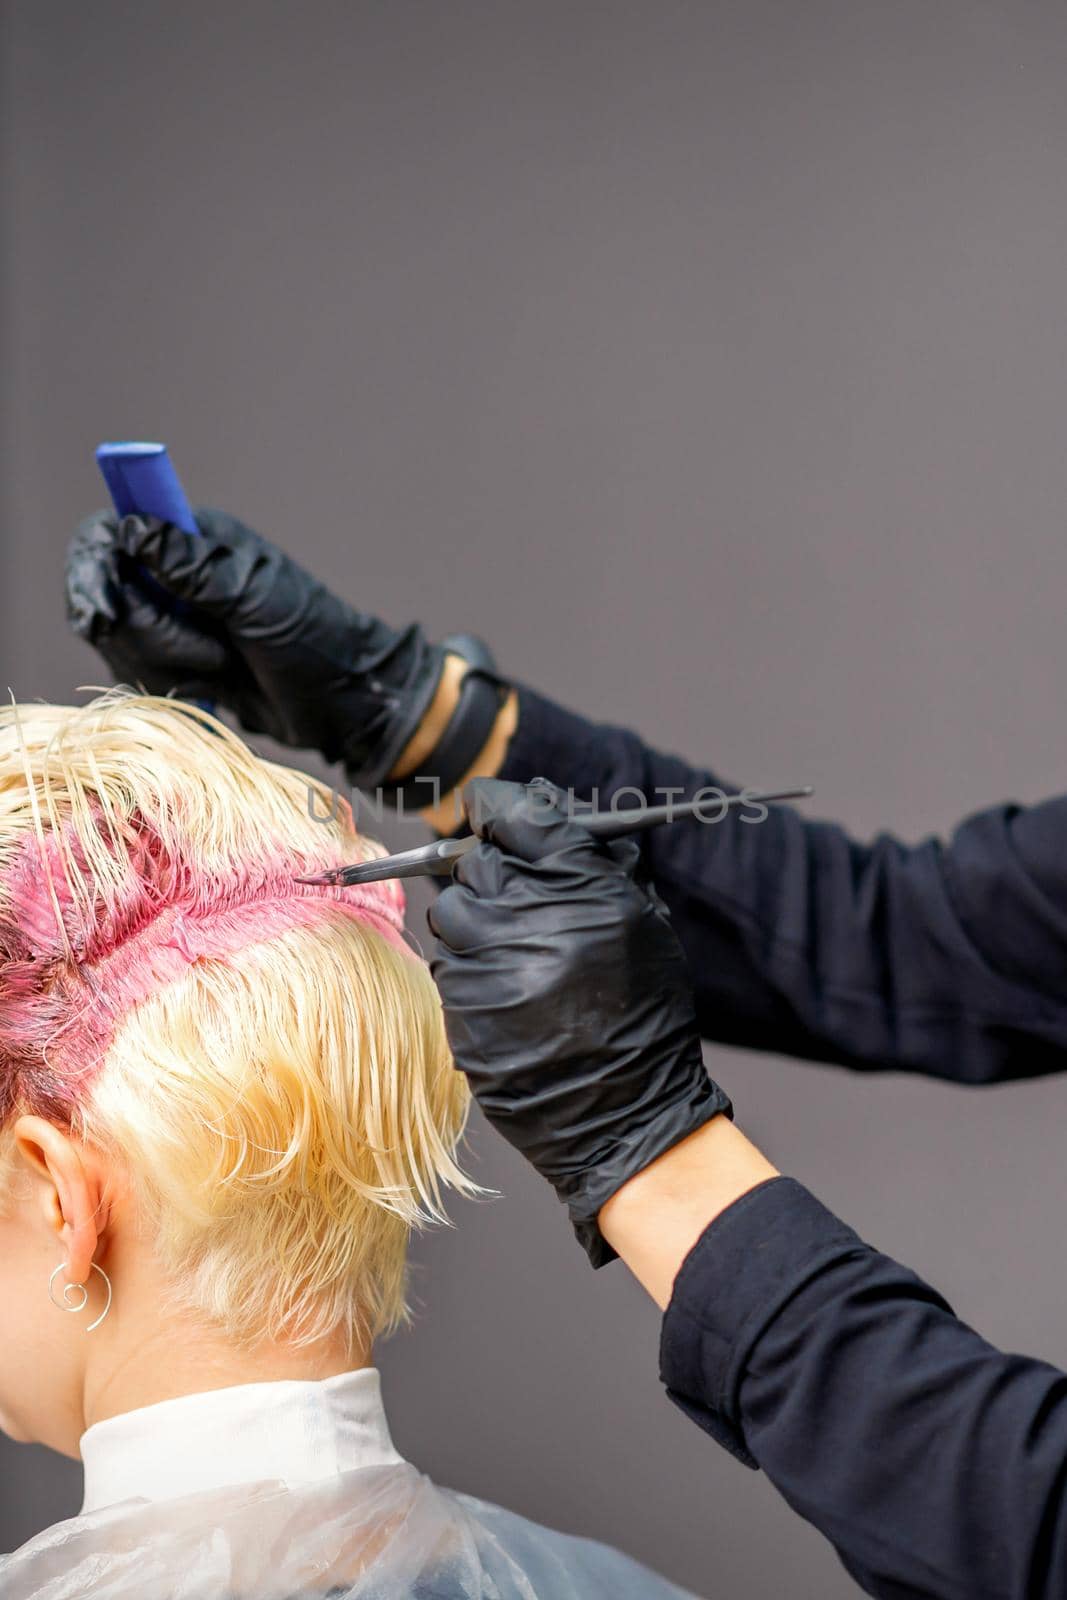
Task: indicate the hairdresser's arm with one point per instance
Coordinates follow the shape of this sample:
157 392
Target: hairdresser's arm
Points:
934 1463
947 959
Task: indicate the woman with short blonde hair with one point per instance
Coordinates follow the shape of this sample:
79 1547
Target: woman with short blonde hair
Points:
226 1100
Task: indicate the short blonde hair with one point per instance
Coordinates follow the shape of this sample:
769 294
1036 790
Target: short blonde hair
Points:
267 1058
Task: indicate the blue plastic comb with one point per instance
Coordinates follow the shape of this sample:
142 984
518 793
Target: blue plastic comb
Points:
142 482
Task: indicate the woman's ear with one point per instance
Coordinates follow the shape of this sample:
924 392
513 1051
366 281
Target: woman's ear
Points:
69 1190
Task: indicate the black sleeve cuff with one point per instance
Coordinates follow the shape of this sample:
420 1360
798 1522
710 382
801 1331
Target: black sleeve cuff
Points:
568 749
563 747
736 1279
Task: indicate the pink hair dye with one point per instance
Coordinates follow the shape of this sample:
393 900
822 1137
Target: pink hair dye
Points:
75 957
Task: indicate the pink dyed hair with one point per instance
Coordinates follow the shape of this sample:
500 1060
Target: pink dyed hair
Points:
116 898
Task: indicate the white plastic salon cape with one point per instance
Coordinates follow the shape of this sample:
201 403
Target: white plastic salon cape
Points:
293 1491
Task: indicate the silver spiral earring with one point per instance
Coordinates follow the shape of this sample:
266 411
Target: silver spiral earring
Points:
70 1289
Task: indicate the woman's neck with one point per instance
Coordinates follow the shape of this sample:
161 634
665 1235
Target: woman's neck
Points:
180 1356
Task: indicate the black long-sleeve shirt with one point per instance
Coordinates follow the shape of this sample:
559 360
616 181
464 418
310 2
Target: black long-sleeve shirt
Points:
935 1464
948 959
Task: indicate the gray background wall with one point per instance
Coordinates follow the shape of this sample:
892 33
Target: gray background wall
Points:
710 358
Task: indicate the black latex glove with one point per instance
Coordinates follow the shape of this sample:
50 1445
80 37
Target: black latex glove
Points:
253 632
567 1000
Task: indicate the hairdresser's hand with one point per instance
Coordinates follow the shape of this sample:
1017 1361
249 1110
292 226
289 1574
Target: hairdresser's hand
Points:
253 632
567 1000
